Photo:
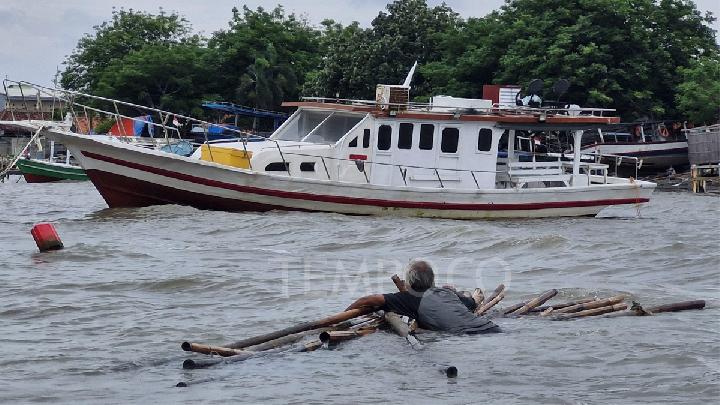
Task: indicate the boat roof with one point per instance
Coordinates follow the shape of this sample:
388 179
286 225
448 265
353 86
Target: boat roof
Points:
518 118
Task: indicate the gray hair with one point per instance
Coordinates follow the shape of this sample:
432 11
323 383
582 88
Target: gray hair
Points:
419 275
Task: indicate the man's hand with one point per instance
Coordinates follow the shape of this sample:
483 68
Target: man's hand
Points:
371 301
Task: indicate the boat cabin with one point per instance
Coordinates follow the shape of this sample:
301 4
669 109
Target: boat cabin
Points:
413 145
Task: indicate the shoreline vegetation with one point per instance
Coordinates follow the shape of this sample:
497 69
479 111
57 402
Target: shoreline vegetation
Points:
646 58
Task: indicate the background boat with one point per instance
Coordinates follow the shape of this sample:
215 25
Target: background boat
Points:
45 171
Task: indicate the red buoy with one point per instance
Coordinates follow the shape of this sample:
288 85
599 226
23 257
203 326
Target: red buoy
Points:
46 237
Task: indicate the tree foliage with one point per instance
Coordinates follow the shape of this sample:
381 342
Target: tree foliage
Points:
113 40
263 57
642 57
698 96
356 59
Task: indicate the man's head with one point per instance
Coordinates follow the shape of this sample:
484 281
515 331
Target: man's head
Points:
419 276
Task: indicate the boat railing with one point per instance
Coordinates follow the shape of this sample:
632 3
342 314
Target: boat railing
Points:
402 168
617 159
68 101
495 109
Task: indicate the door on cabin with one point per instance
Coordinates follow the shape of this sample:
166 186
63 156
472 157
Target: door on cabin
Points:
421 155
382 163
449 155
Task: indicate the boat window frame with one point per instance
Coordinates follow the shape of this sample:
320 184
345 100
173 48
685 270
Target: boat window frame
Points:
304 166
432 137
405 145
381 134
457 141
285 167
490 143
367 135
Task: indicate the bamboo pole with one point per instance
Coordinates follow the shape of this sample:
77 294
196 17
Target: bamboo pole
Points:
298 336
547 312
306 326
562 305
335 336
592 312
498 290
207 349
678 306
272 344
492 300
191 364
591 305
513 308
638 310
400 284
537 301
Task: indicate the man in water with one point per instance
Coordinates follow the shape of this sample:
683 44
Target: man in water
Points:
440 309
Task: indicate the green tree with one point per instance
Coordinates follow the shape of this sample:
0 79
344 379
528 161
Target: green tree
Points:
698 94
616 53
263 57
356 59
127 31
169 77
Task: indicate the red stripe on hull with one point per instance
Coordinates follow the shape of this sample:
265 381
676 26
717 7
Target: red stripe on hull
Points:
162 198
38 178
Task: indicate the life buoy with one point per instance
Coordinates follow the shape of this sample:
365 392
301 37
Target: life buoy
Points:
664 132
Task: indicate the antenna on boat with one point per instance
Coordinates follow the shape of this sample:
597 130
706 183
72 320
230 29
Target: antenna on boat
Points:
410 75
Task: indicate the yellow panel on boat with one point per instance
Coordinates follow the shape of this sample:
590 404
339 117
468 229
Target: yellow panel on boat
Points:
225 156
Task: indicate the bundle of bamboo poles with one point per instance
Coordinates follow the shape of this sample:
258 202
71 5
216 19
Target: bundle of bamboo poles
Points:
615 306
330 330
360 322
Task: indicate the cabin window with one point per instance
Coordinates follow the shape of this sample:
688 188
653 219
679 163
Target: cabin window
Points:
485 140
309 166
384 137
449 140
426 136
366 139
277 167
405 136
353 143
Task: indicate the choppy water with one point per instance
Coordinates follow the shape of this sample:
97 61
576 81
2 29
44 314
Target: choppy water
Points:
102 320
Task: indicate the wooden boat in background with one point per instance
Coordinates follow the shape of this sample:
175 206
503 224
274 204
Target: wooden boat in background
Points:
44 171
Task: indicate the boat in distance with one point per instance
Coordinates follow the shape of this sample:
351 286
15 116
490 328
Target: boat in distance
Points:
382 157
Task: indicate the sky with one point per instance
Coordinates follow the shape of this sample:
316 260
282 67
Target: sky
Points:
36 35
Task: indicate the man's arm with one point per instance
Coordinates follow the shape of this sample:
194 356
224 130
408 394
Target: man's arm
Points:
373 301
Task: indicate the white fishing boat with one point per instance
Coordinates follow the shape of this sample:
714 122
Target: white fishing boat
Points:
380 157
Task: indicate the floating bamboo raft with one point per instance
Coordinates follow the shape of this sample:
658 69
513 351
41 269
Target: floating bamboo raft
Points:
357 323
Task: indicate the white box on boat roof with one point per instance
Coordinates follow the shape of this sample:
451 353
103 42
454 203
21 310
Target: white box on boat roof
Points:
449 104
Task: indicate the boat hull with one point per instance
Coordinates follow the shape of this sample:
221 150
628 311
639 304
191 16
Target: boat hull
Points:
134 177
37 171
654 155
